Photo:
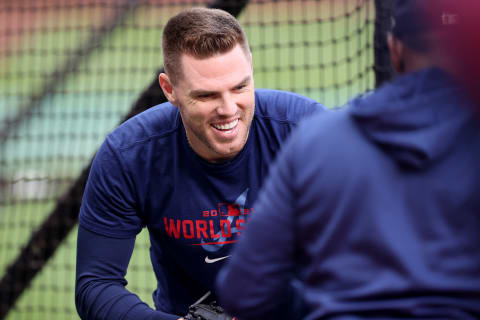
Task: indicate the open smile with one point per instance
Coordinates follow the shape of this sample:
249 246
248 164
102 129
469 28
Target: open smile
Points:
226 126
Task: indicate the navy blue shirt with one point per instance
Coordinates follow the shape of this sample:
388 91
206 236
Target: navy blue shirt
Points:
146 175
372 211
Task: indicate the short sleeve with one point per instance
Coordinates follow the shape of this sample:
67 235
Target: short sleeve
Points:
109 202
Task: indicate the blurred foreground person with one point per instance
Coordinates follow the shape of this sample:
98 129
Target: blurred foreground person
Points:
372 211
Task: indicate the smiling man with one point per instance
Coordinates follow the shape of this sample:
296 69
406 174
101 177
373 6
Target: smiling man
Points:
216 101
188 170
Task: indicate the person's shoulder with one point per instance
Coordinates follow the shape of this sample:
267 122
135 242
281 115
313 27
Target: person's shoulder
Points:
333 130
326 123
285 106
159 121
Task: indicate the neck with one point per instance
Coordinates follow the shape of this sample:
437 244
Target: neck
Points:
415 61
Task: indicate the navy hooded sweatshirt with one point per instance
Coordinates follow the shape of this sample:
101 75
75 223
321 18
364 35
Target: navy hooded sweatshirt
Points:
370 212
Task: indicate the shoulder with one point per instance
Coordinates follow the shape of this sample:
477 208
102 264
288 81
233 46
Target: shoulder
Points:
325 153
331 134
284 106
159 121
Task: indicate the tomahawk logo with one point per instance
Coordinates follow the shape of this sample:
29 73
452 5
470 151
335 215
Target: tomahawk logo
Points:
232 211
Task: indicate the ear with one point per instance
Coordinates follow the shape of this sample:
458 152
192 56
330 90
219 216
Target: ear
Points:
167 87
250 58
397 53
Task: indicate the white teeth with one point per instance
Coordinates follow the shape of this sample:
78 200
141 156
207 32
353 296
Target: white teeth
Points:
226 126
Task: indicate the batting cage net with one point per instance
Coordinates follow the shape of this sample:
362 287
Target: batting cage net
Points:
72 70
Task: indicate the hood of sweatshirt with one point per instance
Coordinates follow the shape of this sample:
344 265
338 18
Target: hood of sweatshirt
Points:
416 118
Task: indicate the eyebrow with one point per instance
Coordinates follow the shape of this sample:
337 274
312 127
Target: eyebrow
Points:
200 92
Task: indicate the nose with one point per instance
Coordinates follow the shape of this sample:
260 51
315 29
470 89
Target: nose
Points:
227 105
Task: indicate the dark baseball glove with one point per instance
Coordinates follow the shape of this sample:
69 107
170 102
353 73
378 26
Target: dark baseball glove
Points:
210 311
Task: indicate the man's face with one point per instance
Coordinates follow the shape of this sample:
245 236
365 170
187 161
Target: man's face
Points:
216 100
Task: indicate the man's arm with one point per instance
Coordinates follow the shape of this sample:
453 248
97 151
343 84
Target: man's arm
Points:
100 280
109 222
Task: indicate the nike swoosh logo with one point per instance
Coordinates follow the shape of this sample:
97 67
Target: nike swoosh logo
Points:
208 260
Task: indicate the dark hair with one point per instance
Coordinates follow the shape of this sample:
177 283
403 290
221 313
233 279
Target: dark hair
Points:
201 33
418 30
410 25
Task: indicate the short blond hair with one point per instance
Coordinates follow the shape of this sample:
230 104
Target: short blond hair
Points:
201 33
